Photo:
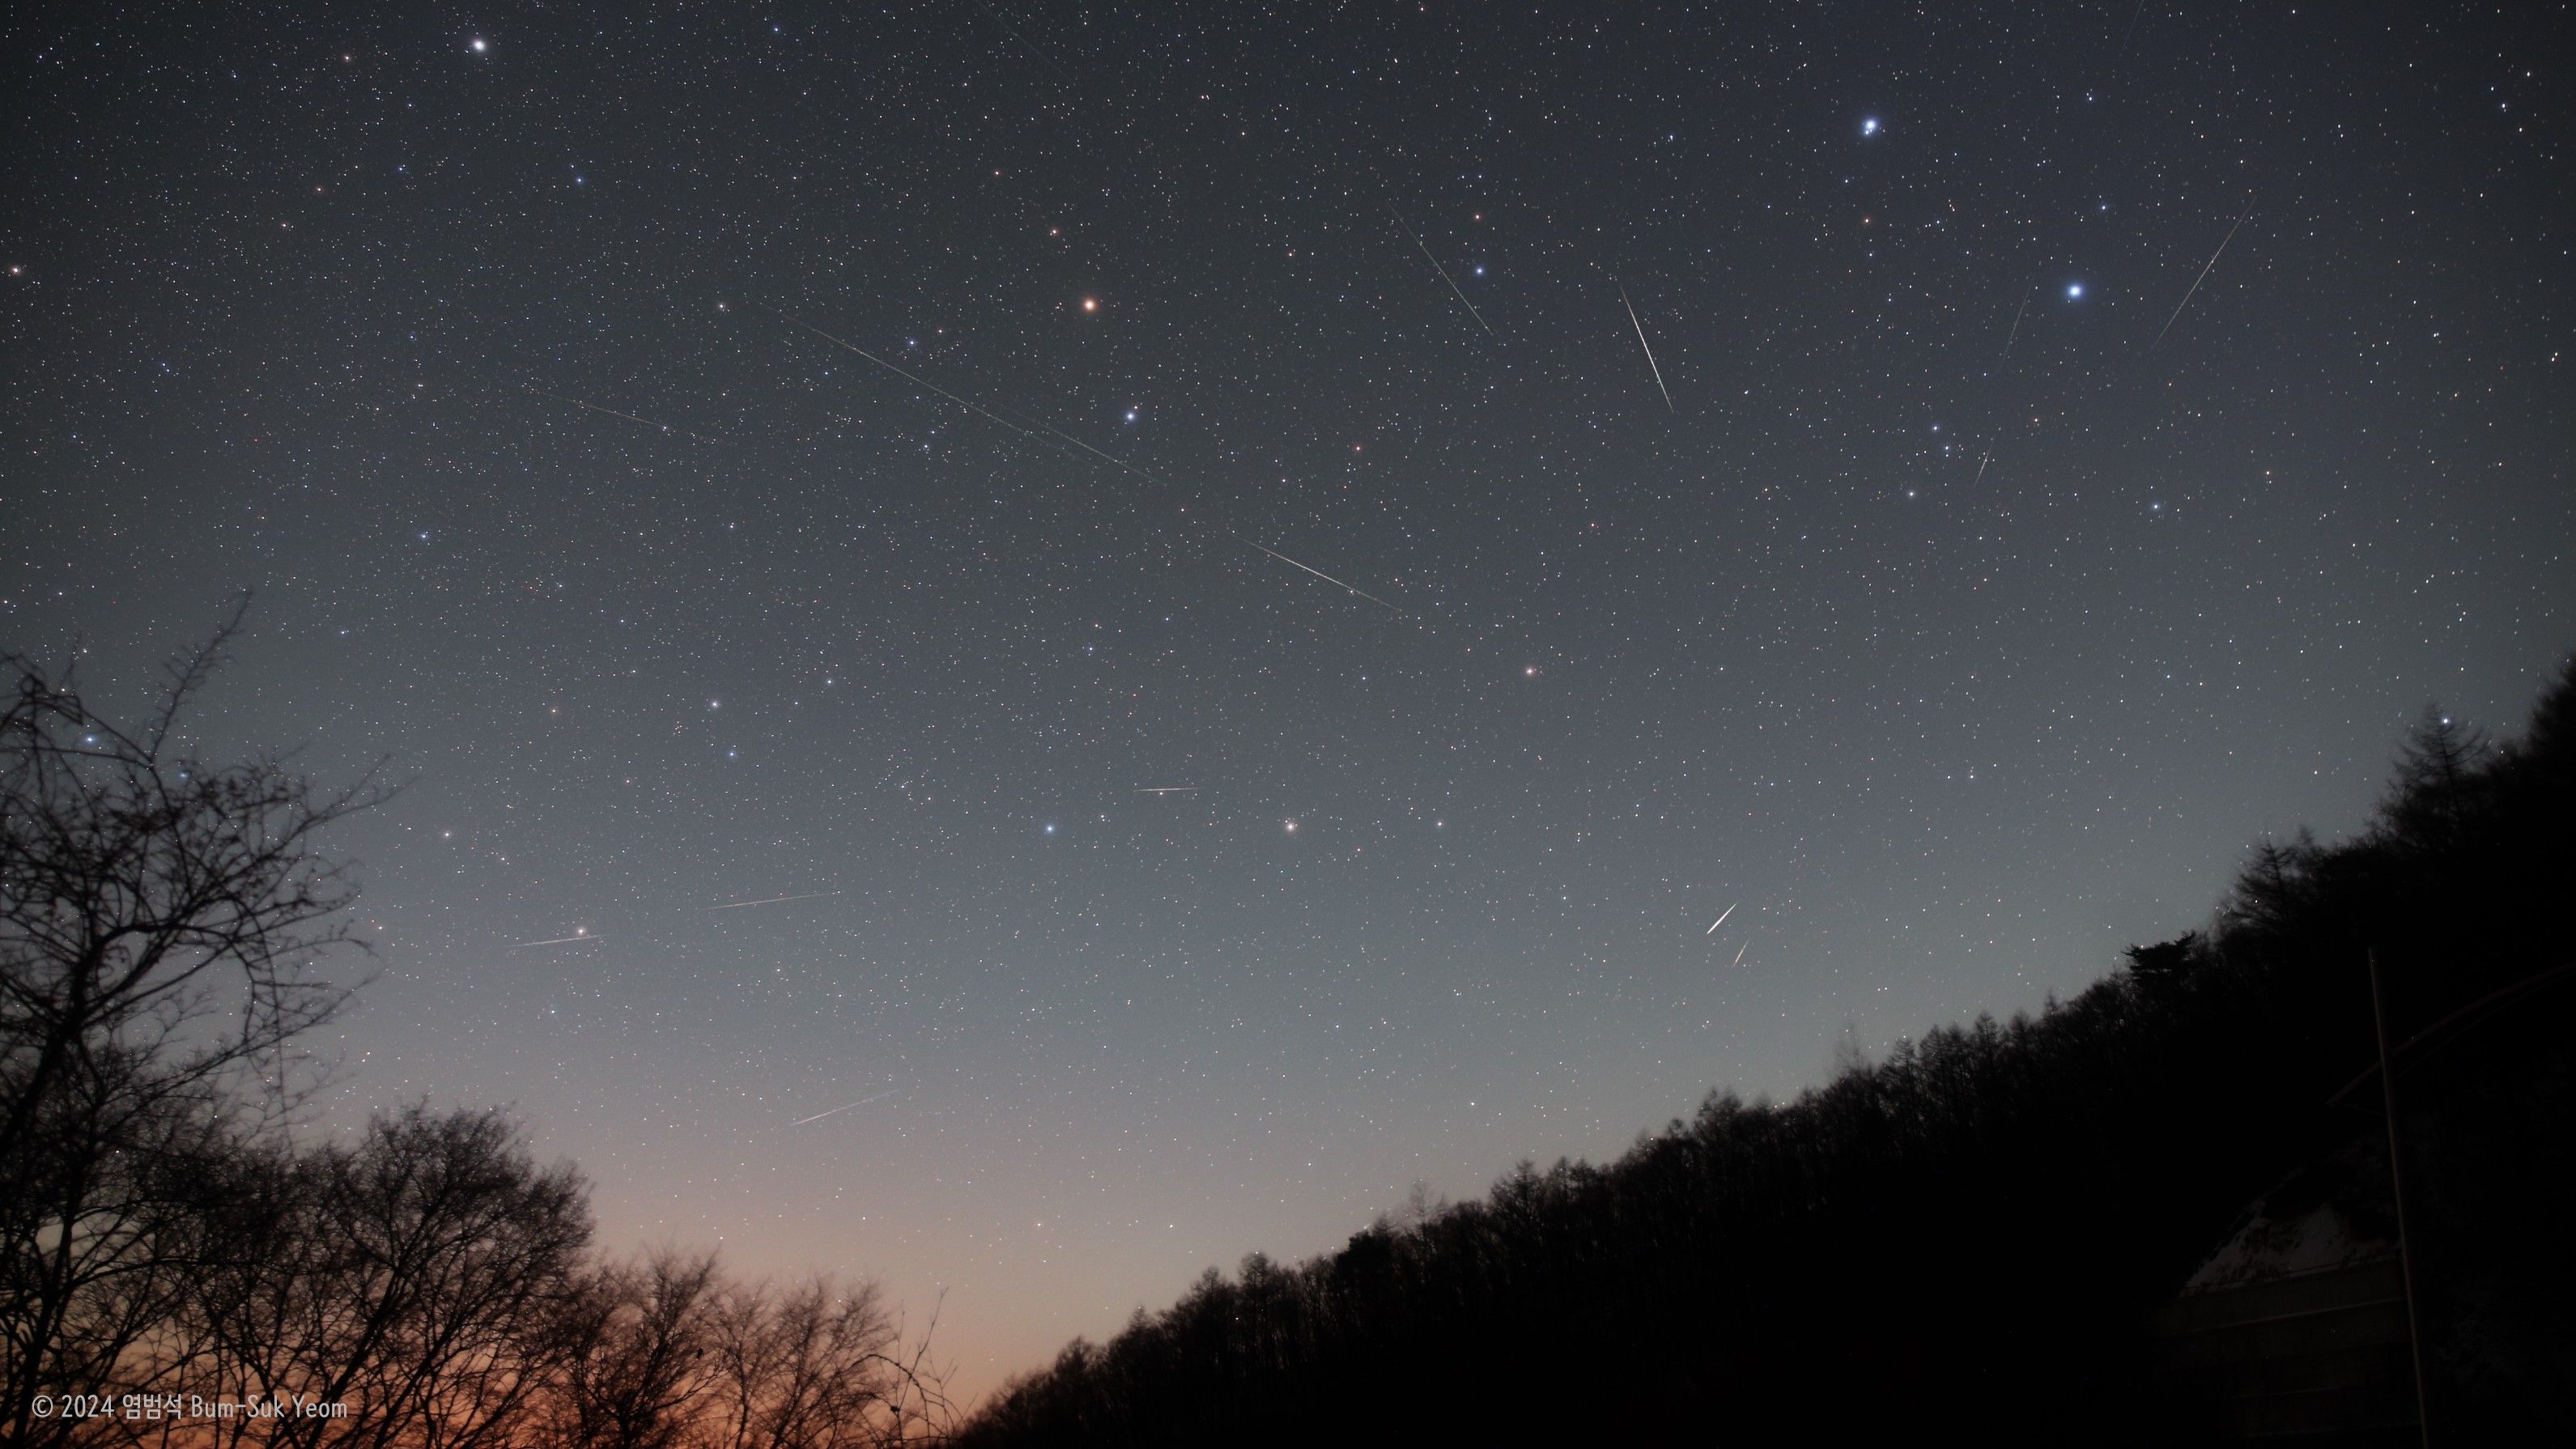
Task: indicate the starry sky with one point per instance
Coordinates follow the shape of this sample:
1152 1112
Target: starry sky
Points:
724 453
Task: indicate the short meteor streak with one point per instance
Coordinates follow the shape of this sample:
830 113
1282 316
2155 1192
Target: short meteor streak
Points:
2131 31
1721 920
1739 955
2016 327
1650 350
1985 463
863 1101
1444 276
2204 273
773 900
1319 573
582 939
614 413
1169 790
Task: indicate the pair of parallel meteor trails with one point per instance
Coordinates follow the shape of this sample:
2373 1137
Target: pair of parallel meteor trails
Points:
1720 921
2188 294
1489 328
584 937
2193 291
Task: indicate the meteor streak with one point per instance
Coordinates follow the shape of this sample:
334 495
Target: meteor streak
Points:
1739 954
1444 276
1721 920
2204 274
1047 60
1170 789
1650 350
1031 432
977 408
863 1101
2016 327
614 413
582 939
773 900
1319 573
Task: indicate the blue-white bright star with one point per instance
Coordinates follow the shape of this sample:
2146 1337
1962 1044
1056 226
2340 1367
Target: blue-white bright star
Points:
2074 290
1869 127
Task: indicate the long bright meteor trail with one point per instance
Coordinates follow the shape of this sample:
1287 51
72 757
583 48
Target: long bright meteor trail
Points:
773 900
863 1101
1168 790
1319 573
580 940
614 413
1721 920
1650 350
1444 276
2204 273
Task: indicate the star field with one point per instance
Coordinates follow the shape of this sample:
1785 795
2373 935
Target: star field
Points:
1921 596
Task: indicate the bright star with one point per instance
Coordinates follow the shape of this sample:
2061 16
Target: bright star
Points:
2074 290
1869 127
480 46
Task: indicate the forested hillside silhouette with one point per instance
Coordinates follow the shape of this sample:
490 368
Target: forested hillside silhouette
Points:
1969 1236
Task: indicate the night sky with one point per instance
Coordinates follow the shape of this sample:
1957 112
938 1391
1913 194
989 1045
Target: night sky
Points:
1954 594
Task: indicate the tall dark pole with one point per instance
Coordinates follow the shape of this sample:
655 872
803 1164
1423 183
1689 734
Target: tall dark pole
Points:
2397 1189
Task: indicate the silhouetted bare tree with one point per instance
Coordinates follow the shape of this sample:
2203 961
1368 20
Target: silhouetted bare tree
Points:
803 1367
426 1284
159 917
640 1335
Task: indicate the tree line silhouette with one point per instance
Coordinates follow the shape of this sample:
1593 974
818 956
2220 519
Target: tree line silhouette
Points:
181 1265
1971 1232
